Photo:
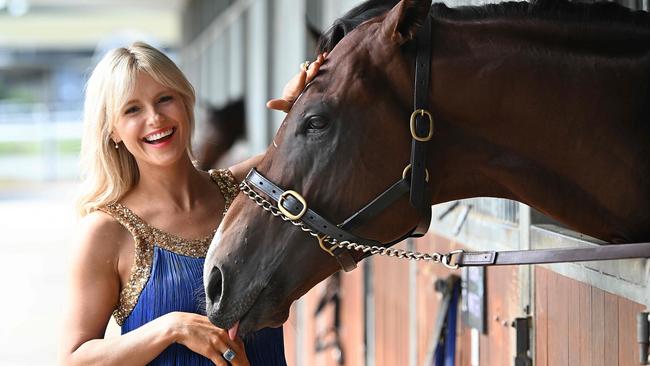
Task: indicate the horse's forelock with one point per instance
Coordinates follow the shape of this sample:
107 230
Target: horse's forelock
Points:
351 20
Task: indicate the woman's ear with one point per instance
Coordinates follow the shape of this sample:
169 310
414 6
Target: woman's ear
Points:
115 137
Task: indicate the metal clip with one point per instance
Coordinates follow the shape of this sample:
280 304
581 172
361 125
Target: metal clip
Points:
446 259
321 242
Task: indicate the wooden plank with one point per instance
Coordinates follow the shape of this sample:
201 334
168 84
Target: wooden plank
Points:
428 300
611 329
503 303
484 347
573 322
352 317
558 319
628 351
309 326
584 315
463 354
289 331
391 298
597 327
541 316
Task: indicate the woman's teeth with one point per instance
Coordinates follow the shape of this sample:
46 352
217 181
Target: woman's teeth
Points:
159 136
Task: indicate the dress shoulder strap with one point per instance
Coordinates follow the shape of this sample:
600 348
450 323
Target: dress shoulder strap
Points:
227 185
141 262
127 218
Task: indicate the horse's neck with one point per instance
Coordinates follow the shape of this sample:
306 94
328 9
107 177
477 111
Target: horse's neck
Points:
565 130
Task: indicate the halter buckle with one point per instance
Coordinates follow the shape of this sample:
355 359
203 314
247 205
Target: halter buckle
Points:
414 133
298 198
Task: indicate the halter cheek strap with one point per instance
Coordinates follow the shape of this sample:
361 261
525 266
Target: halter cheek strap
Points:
421 121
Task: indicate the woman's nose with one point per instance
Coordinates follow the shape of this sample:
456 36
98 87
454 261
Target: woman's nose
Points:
154 118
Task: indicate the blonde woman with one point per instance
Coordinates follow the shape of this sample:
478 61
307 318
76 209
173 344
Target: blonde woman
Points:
148 216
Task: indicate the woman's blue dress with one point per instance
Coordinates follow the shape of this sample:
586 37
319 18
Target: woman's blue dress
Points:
167 276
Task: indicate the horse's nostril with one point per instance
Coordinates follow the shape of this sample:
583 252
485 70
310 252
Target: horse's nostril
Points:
214 288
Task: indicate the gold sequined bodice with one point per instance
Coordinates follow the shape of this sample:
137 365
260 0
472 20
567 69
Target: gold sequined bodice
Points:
146 237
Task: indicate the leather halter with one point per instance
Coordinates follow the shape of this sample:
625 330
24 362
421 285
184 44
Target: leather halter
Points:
414 177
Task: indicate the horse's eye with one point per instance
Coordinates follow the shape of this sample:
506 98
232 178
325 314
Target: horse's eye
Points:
316 123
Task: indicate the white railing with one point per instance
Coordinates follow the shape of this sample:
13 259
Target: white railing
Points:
41 127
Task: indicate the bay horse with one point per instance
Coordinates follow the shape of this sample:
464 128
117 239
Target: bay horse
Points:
224 127
546 103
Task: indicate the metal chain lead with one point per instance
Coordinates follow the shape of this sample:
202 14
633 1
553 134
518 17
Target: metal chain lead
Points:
435 257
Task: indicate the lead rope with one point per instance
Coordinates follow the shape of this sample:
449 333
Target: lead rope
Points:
435 257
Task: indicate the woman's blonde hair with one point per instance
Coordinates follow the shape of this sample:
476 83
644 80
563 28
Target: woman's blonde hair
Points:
108 173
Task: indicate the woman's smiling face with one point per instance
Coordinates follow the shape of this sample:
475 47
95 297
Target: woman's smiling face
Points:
153 123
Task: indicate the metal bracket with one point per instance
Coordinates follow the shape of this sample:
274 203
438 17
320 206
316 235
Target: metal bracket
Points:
522 327
642 337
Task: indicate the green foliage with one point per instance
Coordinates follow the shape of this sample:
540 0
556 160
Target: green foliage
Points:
63 147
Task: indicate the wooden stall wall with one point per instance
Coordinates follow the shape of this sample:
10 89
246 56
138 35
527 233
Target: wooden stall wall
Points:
578 324
574 323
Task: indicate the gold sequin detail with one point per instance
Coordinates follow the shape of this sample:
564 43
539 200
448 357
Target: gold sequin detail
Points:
227 185
146 237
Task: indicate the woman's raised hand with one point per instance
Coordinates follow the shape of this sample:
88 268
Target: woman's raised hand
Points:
197 333
296 85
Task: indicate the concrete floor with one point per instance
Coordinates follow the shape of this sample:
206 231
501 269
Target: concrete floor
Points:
37 224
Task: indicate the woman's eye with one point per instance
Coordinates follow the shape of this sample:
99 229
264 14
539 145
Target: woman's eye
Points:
131 110
316 123
165 98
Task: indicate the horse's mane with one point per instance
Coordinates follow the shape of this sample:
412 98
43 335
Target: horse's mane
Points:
560 10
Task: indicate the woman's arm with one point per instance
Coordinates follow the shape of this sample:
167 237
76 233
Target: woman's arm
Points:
94 291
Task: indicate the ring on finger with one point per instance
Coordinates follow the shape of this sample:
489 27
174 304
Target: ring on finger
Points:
229 355
305 65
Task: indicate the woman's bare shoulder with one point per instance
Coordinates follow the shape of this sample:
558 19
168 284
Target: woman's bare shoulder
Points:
102 235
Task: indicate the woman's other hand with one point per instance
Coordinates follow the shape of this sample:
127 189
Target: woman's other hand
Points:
197 333
296 85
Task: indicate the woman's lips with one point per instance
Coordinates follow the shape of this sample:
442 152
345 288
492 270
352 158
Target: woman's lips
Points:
163 140
159 136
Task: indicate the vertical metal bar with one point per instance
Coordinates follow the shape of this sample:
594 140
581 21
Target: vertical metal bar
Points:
258 45
412 306
474 347
642 337
526 284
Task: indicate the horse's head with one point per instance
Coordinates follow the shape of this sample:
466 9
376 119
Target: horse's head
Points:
345 140
224 126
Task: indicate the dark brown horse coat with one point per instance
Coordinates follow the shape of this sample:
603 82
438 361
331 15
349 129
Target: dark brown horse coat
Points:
544 103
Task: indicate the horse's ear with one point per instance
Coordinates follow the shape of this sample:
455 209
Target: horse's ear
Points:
405 19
